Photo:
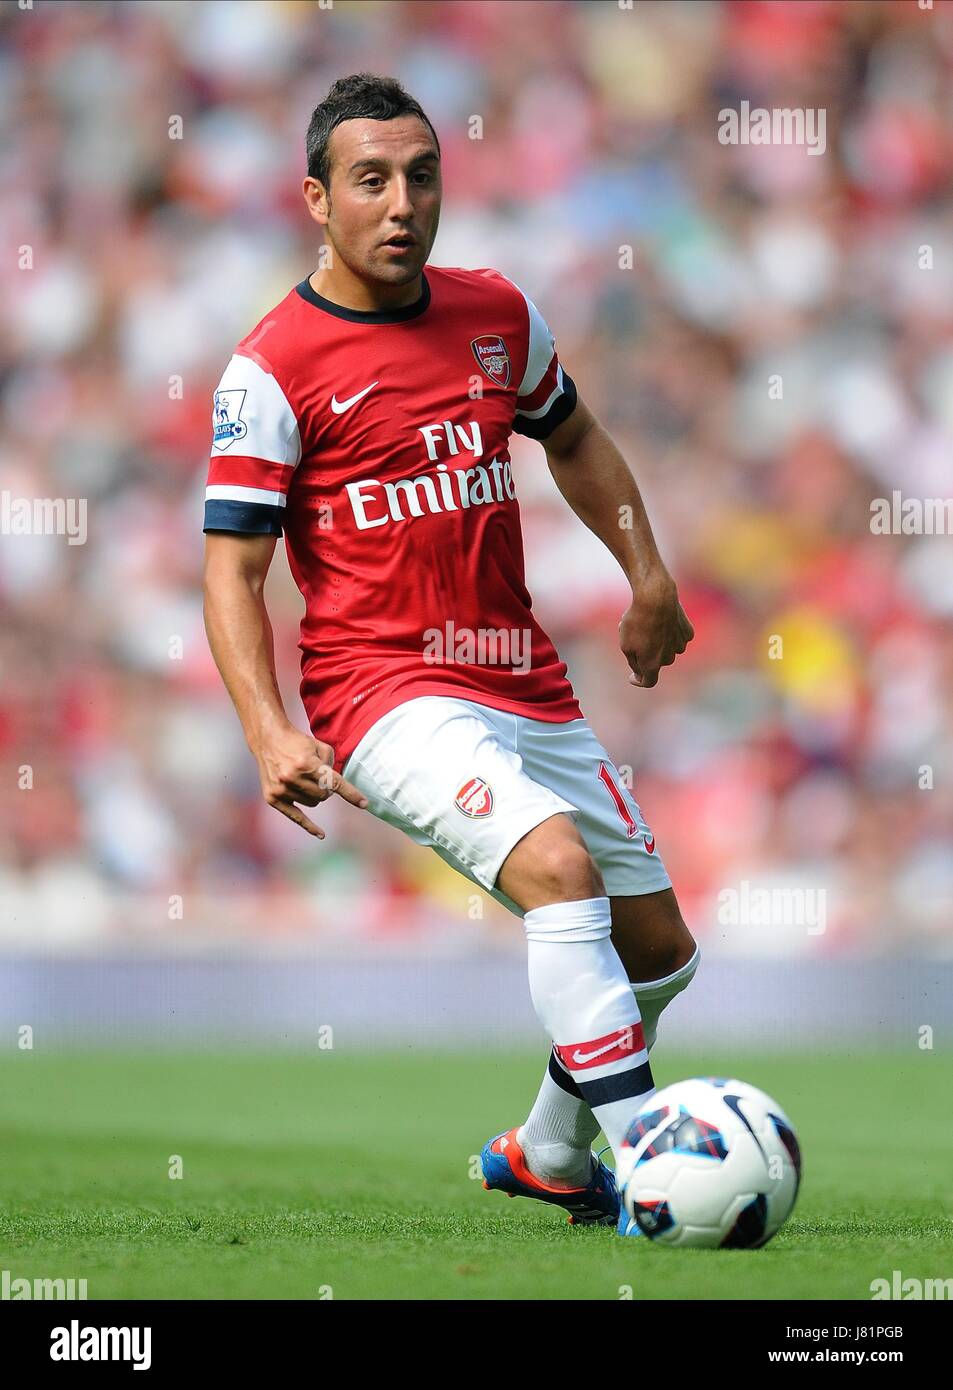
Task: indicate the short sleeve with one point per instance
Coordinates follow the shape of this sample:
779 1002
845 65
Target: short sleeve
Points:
256 447
547 395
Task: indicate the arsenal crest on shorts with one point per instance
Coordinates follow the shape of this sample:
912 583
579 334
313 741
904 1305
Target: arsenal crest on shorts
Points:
474 798
490 351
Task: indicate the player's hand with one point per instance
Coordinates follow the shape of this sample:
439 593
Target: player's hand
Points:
295 767
654 630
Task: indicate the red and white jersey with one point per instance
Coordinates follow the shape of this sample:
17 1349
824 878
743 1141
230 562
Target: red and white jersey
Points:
377 442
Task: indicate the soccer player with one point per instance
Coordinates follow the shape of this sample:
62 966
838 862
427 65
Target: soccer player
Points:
367 418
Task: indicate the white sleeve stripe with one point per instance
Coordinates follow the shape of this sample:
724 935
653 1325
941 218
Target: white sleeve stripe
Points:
541 349
227 492
538 414
262 421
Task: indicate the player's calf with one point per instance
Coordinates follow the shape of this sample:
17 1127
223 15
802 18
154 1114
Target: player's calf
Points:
657 950
578 984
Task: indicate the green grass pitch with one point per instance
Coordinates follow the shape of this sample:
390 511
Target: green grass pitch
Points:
353 1173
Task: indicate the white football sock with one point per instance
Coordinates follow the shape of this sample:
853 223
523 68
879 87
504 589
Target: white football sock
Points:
584 1001
558 1135
653 996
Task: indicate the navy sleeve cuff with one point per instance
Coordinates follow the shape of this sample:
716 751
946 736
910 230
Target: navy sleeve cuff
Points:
560 410
252 518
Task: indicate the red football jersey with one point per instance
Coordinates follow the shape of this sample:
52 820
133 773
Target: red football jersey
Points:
377 442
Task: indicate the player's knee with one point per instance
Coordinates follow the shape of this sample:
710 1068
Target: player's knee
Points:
652 949
676 948
565 871
550 865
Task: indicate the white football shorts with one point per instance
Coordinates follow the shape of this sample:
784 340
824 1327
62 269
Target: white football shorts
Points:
471 781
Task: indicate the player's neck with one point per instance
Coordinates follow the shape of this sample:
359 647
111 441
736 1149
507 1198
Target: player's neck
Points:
342 287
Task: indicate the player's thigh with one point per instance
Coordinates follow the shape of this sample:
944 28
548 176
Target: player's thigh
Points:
648 931
570 760
439 771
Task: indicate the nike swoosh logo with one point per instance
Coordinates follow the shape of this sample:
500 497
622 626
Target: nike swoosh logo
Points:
339 407
580 1058
734 1103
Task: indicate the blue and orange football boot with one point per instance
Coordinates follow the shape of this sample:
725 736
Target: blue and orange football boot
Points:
504 1168
627 1225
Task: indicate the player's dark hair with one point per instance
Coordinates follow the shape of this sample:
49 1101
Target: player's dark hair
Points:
362 96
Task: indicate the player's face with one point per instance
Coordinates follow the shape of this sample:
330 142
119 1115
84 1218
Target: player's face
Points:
384 184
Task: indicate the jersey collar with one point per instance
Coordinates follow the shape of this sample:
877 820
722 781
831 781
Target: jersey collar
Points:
408 311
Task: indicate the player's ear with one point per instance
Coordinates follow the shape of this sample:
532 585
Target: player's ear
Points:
318 200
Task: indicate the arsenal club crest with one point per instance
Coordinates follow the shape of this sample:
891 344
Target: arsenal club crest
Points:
474 798
490 351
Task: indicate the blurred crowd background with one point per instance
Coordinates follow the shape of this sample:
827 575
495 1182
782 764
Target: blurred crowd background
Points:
148 257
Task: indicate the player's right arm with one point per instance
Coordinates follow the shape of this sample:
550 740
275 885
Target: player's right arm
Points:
293 766
256 447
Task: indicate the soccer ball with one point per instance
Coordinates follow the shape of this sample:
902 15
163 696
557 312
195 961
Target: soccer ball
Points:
708 1162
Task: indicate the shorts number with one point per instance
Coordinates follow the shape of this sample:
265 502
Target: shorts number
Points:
620 804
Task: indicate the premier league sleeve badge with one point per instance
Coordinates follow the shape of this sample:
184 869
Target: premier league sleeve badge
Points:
227 422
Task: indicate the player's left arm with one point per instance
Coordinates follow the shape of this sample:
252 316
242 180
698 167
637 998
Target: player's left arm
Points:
596 481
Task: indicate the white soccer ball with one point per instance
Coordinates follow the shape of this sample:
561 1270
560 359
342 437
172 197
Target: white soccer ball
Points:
709 1162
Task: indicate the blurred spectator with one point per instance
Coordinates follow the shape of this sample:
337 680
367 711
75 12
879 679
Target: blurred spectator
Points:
141 259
